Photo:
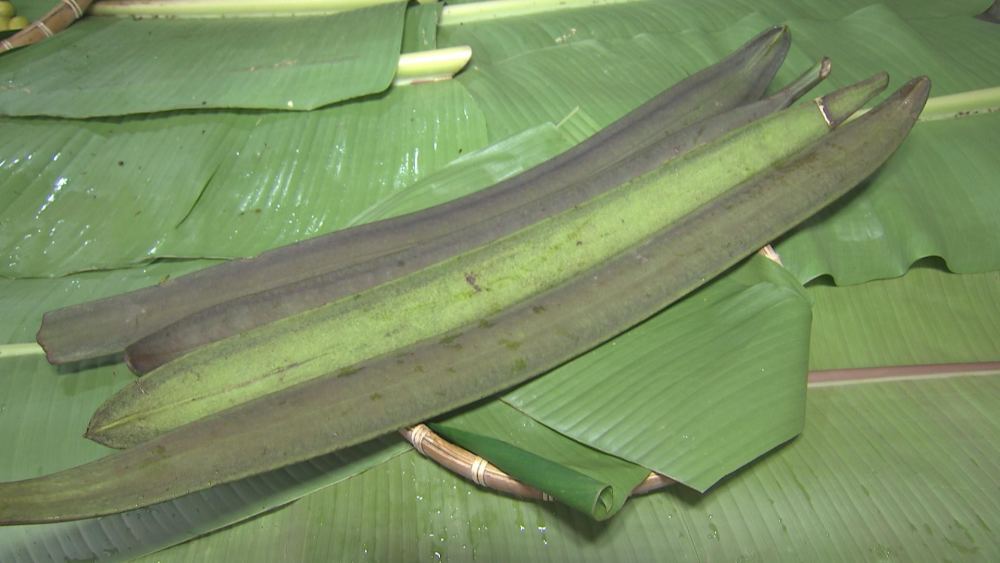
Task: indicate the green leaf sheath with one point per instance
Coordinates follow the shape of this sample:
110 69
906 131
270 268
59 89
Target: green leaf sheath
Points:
245 313
421 381
106 327
462 289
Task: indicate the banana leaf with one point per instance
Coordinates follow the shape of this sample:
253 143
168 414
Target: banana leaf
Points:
214 184
884 471
420 27
473 171
40 417
278 163
962 530
880 223
927 316
42 409
912 208
737 348
125 66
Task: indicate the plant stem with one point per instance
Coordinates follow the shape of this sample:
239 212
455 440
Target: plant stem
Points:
963 104
17 350
479 11
431 66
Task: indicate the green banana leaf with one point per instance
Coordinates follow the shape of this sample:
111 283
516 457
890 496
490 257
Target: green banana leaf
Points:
911 209
40 429
473 171
881 223
505 38
122 66
141 531
279 163
927 316
214 184
966 53
42 409
695 392
884 471
420 27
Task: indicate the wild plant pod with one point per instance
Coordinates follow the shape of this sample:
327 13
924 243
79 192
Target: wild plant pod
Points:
464 288
245 313
107 326
494 352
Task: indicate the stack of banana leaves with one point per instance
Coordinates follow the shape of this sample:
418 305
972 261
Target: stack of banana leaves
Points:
746 249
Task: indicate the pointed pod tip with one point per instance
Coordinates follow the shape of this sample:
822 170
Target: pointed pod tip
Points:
99 430
839 105
915 93
772 36
919 87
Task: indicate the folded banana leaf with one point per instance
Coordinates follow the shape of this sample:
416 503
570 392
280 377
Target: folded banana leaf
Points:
119 66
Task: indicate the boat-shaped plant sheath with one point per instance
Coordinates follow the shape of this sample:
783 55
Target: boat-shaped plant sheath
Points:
105 327
250 311
432 377
465 286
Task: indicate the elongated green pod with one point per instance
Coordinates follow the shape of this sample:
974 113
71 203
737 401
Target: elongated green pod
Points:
434 376
107 326
991 14
245 313
465 287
